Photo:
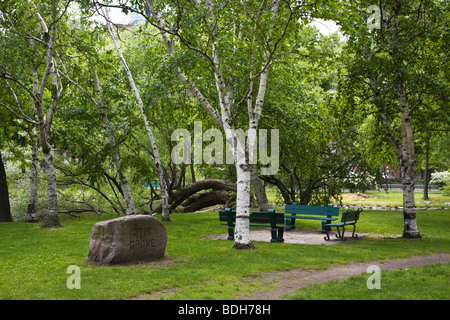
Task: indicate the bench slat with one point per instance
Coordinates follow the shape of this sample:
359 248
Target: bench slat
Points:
296 211
311 210
311 218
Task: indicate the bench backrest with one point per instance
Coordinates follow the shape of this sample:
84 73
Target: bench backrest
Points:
228 215
350 216
311 210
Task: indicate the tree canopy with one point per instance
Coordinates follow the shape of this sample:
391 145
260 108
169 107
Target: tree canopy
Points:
89 104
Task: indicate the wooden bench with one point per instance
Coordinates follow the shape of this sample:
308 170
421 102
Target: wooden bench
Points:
324 214
272 219
349 218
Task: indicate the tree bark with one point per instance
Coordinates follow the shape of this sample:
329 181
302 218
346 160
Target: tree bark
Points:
5 209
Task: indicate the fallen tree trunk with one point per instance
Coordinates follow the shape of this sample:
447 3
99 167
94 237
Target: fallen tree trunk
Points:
199 201
179 196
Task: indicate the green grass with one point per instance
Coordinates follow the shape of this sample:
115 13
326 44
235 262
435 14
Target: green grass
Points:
392 198
34 261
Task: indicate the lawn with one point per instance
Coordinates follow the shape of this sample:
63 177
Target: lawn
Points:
394 199
34 261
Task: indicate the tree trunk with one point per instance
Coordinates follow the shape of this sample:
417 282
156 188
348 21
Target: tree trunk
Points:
191 165
51 219
5 209
199 201
32 200
242 228
259 189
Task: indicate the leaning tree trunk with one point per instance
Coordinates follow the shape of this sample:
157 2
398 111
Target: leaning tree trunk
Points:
158 163
199 201
5 209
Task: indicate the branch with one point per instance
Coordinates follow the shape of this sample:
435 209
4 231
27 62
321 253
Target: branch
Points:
8 76
23 116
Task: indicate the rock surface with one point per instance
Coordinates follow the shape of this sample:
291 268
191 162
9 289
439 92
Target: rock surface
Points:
132 238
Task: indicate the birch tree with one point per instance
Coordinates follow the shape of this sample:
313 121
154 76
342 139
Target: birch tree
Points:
238 41
45 98
394 67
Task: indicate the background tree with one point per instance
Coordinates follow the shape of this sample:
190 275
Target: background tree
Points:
32 74
383 71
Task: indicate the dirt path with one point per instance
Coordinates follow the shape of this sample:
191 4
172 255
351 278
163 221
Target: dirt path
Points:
291 280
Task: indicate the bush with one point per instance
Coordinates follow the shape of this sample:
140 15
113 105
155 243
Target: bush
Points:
442 179
19 201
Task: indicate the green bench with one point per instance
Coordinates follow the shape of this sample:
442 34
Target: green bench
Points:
349 218
324 214
272 219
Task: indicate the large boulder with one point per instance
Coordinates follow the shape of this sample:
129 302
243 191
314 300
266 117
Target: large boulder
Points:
132 238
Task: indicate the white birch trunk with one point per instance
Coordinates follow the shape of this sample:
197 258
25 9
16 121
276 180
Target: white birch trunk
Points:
159 167
242 229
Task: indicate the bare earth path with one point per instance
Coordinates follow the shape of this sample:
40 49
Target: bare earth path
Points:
291 280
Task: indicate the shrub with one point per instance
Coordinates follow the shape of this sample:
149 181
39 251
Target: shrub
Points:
443 180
